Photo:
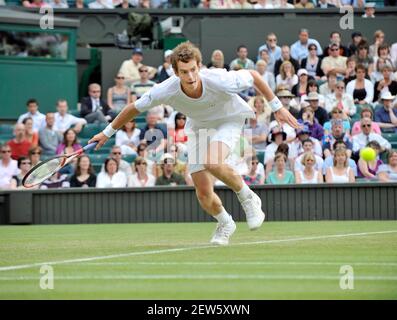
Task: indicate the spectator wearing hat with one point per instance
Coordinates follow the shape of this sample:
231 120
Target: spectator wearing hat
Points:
337 114
312 86
308 118
302 134
362 139
286 98
139 88
169 177
307 146
165 70
369 10
356 39
329 161
336 133
386 114
313 63
277 137
365 113
335 61
386 84
361 89
217 60
300 89
309 175
280 175
130 67
285 56
388 172
319 112
341 100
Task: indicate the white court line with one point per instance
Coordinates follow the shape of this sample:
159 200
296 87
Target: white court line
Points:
250 263
200 277
150 252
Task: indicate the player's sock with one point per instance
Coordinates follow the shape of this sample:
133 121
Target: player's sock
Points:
223 217
244 193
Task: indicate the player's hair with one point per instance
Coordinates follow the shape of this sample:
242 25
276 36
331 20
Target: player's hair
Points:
308 155
185 52
78 168
341 151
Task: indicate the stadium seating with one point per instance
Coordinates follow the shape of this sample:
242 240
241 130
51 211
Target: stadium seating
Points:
261 156
129 158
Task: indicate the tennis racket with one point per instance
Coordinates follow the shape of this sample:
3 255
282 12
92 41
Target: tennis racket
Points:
45 169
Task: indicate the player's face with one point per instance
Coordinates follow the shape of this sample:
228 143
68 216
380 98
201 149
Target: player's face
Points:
188 72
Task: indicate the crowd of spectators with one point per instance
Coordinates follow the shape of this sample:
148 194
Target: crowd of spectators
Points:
344 95
208 4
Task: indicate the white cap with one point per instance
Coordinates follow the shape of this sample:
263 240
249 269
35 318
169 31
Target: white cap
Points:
387 96
302 71
370 5
167 53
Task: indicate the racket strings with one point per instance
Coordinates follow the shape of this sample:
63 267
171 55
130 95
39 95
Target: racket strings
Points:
44 171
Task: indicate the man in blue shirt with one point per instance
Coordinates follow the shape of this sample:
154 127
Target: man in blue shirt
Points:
386 113
273 50
336 134
299 50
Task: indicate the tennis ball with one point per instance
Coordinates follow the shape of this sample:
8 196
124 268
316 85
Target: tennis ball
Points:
368 154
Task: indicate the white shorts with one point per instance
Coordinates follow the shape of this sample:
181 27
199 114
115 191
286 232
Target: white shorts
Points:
227 131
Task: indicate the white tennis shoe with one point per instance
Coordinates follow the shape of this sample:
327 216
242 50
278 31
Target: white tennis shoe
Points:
223 232
253 210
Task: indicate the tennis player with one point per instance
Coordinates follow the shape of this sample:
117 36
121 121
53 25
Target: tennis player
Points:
210 101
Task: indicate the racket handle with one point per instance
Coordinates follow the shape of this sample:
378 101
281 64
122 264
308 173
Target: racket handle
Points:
90 146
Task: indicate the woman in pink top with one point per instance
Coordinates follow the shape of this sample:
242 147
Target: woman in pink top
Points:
69 143
365 113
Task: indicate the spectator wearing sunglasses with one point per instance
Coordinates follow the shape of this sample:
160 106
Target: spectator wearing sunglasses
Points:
8 167
365 113
119 95
143 85
362 139
122 165
336 133
337 114
335 61
24 165
313 63
93 108
35 155
340 99
141 177
253 178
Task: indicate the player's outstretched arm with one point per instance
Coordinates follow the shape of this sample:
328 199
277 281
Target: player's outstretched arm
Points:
281 113
129 112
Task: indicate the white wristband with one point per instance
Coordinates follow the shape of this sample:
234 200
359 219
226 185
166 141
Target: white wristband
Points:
109 131
275 104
